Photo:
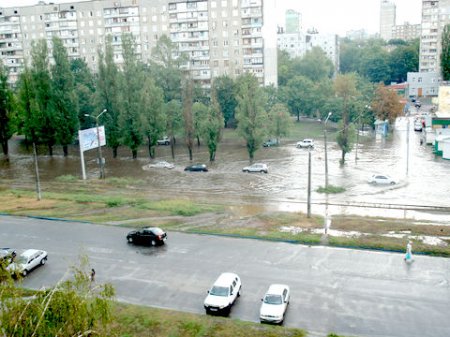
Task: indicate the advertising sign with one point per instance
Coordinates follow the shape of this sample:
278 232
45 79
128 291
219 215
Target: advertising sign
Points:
89 140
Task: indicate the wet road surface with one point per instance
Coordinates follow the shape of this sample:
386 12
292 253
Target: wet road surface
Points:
349 292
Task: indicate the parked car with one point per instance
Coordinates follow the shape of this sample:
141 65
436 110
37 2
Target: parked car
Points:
147 236
162 164
417 125
196 168
380 179
257 167
417 104
164 141
223 294
270 142
305 143
274 304
27 260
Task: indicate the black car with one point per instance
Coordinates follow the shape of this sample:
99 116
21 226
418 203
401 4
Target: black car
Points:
147 236
196 168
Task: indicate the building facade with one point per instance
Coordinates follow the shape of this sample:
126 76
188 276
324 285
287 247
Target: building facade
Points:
435 15
219 37
406 31
293 21
387 19
423 84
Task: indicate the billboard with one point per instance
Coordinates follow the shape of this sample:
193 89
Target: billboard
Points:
444 101
89 140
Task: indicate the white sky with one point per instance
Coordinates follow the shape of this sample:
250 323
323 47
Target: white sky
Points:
328 16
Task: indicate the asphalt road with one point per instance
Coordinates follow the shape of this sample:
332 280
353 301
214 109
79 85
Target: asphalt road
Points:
350 292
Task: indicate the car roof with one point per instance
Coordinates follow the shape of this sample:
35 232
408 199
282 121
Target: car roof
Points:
29 252
152 229
225 279
276 289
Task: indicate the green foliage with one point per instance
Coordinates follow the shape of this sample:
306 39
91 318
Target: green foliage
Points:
330 189
174 121
68 178
63 98
445 53
73 307
225 91
315 65
211 126
250 113
298 94
8 117
85 92
188 117
107 96
279 121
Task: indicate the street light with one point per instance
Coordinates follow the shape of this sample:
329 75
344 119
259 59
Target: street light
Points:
100 159
326 154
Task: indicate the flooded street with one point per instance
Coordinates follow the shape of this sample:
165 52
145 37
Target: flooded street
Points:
285 186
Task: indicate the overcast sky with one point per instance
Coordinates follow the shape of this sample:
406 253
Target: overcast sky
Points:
328 16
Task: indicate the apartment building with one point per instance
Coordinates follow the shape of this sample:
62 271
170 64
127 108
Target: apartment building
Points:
220 37
435 15
406 31
387 19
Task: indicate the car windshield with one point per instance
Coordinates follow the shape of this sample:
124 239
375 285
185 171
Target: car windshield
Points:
21 260
219 291
273 299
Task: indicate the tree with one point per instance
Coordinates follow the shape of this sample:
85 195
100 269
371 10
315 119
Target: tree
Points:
345 89
188 117
298 96
85 92
211 127
107 96
402 60
7 115
350 56
43 113
199 113
173 112
386 104
63 97
250 113
151 102
375 64
284 67
71 308
279 121
131 119
315 65
224 87
445 53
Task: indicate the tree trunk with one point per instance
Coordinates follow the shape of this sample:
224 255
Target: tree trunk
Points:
134 152
198 141
50 150
115 151
65 150
5 147
190 152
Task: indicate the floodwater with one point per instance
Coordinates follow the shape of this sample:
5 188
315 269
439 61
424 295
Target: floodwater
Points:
423 177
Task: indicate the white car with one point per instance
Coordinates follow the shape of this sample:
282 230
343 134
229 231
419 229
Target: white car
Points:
27 260
222 295
162 164
164 141
257 167
274 304
381 179
307 142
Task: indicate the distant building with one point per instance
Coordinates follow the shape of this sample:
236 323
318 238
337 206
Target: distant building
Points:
293 21
359 34
406 31
387 19
220 37
423 84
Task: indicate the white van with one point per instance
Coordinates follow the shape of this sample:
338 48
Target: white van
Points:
223 294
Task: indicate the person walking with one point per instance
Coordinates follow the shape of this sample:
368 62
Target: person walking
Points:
408 256
92 275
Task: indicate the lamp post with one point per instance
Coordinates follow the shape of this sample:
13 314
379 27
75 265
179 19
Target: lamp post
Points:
326 154
99 148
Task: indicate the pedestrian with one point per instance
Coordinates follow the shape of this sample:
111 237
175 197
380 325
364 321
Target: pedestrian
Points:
408 256
92 275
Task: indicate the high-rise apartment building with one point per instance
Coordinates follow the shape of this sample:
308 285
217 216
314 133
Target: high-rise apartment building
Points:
406 31
387 19
435 15
219 36
293 21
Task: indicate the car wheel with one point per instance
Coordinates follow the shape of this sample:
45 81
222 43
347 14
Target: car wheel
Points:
24 272
265 171
43 261
130 239
245 171
153 243
392 183
239 292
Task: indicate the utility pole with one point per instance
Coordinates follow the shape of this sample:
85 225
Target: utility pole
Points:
407 145
326 153
99 148
36 168
309 184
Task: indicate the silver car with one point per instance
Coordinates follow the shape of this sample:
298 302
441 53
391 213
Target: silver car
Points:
257 167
